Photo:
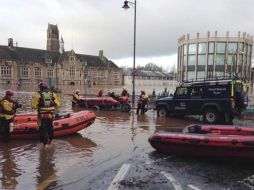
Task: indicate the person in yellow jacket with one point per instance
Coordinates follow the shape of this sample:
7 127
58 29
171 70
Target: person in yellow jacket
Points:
75 98
7 111
142 102
45 102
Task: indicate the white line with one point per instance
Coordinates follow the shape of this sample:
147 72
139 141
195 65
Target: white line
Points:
193 187
119 176
172 181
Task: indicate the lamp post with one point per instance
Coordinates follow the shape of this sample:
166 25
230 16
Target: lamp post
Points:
126 6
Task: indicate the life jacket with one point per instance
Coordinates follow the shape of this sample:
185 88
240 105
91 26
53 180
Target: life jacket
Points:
143 99
5 113
75 98
46 103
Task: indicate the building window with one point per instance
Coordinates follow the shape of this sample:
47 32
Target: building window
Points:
241 47
50 73
210 59
202 48
201 59
37 72
48 60
211 47
201 75
219 74
231 59
220 47
210 71
191 75
220 59
232 47
191 60
72 72
5 71
24 71
192 49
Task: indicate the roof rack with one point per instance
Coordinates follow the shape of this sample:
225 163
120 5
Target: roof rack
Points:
217 79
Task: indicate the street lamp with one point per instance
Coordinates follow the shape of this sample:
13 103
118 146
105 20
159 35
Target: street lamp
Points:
126 6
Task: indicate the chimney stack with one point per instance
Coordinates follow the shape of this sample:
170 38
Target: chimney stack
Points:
10 42
101 54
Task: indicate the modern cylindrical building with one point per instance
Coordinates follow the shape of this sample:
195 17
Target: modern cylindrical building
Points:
214 57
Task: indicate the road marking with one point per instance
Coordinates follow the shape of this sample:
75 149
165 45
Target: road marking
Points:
172 181
119 176
193 187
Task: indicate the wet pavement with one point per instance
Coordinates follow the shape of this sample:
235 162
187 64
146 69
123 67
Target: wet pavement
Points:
114 153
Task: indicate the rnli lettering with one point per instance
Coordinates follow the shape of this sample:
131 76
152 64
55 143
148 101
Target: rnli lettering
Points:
217 91
81 119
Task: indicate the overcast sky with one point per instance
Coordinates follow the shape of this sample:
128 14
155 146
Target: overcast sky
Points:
90 25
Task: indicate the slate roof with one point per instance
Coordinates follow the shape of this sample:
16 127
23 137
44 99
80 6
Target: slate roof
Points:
21 54
27 54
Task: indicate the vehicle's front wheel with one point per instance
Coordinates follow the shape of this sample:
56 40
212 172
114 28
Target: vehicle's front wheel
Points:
162 112
211 115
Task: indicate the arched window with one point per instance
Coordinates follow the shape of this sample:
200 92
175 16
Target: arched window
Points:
72 72
5 71
24 71
37 72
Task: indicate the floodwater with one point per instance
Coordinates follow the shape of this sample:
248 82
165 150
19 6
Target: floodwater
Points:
90 159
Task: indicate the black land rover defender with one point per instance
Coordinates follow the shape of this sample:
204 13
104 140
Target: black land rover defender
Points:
217 100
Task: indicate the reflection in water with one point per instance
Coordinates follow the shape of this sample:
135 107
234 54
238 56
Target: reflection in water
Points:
113 117
142 118
173 124
143 121
47 175
80 142
9 169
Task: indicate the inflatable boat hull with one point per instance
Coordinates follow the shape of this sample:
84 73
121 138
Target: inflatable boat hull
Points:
26 126
223 142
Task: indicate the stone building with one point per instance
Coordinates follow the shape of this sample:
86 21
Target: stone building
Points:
214 56
26 66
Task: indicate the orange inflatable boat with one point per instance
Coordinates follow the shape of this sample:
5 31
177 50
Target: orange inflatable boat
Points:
26 126
106 102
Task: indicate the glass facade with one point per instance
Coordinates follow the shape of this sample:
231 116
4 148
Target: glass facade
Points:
213 58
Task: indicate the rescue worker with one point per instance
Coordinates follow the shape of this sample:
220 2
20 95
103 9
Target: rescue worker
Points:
125 93
75 98
100 93
7 111
45 102
142 102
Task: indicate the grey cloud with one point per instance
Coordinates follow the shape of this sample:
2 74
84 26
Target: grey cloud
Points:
90 25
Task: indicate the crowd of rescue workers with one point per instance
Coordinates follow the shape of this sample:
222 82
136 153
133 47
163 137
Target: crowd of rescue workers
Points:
45 101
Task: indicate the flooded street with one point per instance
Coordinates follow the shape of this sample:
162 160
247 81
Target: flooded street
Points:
92 158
